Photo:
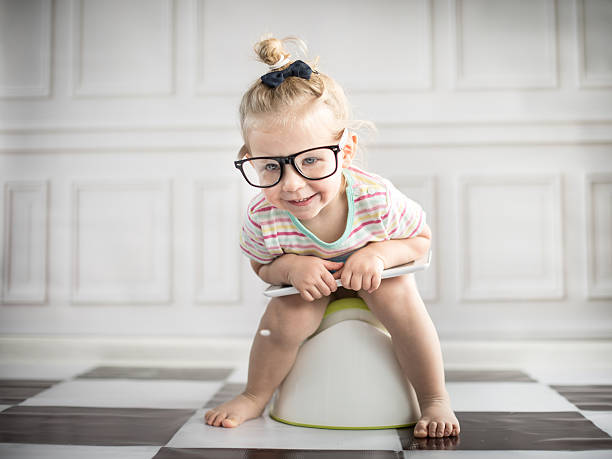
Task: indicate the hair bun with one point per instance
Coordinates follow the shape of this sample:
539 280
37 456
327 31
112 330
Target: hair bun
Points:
270 50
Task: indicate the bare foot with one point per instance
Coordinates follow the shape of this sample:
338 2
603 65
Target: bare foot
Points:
437 420
233 413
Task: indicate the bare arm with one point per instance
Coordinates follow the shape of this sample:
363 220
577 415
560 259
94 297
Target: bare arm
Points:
363 269
396 252
276 272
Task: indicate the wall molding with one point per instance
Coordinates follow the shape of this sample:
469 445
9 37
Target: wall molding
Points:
585 79
408 83
59 138
43 89
159 288
225 285
127 90
489 82
35 286
551 286
235 351
598 286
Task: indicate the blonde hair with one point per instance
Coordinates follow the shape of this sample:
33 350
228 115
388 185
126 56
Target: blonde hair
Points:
295 97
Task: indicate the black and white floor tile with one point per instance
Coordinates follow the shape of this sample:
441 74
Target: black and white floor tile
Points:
88 411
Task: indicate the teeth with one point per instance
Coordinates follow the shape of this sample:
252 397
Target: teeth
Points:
302 200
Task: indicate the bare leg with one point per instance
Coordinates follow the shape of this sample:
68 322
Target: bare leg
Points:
398 305
290 320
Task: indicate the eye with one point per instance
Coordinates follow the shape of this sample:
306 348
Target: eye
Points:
309 161
271 167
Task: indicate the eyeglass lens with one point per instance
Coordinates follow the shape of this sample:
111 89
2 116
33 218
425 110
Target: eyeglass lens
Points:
314 164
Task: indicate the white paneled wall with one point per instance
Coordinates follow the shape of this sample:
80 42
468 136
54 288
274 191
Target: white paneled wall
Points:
118 127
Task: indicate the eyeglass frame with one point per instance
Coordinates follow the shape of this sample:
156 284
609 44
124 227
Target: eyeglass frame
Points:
290 159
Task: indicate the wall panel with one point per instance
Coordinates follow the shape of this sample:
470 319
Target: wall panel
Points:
26 238
25 41
599 234
121 242
123 48
510 238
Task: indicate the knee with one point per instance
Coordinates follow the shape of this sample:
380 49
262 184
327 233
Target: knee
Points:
291 319
394 289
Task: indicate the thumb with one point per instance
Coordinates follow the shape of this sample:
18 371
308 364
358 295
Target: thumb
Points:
333 264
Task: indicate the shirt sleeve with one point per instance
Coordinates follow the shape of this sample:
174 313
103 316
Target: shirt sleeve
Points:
404 218
252 241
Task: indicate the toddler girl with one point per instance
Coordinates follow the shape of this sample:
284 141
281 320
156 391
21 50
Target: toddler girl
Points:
318 219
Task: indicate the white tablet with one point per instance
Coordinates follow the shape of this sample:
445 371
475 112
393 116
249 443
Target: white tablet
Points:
417 265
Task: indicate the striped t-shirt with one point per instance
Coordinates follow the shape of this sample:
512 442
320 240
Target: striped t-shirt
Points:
377 211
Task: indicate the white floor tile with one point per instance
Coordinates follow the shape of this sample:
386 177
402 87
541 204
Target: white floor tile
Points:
240 375
127 394
43 370
264 432
602 419
18 451
569 376
474 396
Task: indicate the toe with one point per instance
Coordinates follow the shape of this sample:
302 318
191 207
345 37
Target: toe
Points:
433 426
230 422
420 430
448 429
440 429
218 419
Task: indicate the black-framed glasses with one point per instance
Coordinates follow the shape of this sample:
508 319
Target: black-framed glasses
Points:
313 164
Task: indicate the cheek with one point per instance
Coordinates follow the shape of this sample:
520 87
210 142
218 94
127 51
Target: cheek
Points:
270 195
331 188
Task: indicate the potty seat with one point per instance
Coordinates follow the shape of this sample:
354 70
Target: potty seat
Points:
346 376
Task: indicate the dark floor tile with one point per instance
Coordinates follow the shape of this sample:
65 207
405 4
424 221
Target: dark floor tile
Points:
487 376
189 374
588 397
225 394
553 431
14 391
59 425
242 453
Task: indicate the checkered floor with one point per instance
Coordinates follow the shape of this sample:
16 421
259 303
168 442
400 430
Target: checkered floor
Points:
83 411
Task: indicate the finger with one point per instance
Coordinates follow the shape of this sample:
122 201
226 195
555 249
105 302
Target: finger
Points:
346 279
375 283
366 282
306 295
338 274
356 282
330 281
323 288
314 292
333 264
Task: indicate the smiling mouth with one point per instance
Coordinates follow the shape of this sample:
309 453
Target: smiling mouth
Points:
302 202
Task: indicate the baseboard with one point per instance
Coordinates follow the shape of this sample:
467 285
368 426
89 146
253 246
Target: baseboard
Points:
235 351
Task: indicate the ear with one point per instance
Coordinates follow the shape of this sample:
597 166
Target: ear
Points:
350 149
243 152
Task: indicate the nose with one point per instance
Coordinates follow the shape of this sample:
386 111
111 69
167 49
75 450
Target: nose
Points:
291 181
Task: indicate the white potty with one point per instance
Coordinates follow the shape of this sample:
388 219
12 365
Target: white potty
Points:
346 376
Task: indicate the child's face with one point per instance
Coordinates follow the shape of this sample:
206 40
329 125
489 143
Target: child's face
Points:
304 198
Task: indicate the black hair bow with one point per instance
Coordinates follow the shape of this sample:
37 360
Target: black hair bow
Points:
298 68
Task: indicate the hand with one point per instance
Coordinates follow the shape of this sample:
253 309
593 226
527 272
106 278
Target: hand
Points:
362 271
311 276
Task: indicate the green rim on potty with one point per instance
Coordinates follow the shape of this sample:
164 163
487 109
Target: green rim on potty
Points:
346 376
